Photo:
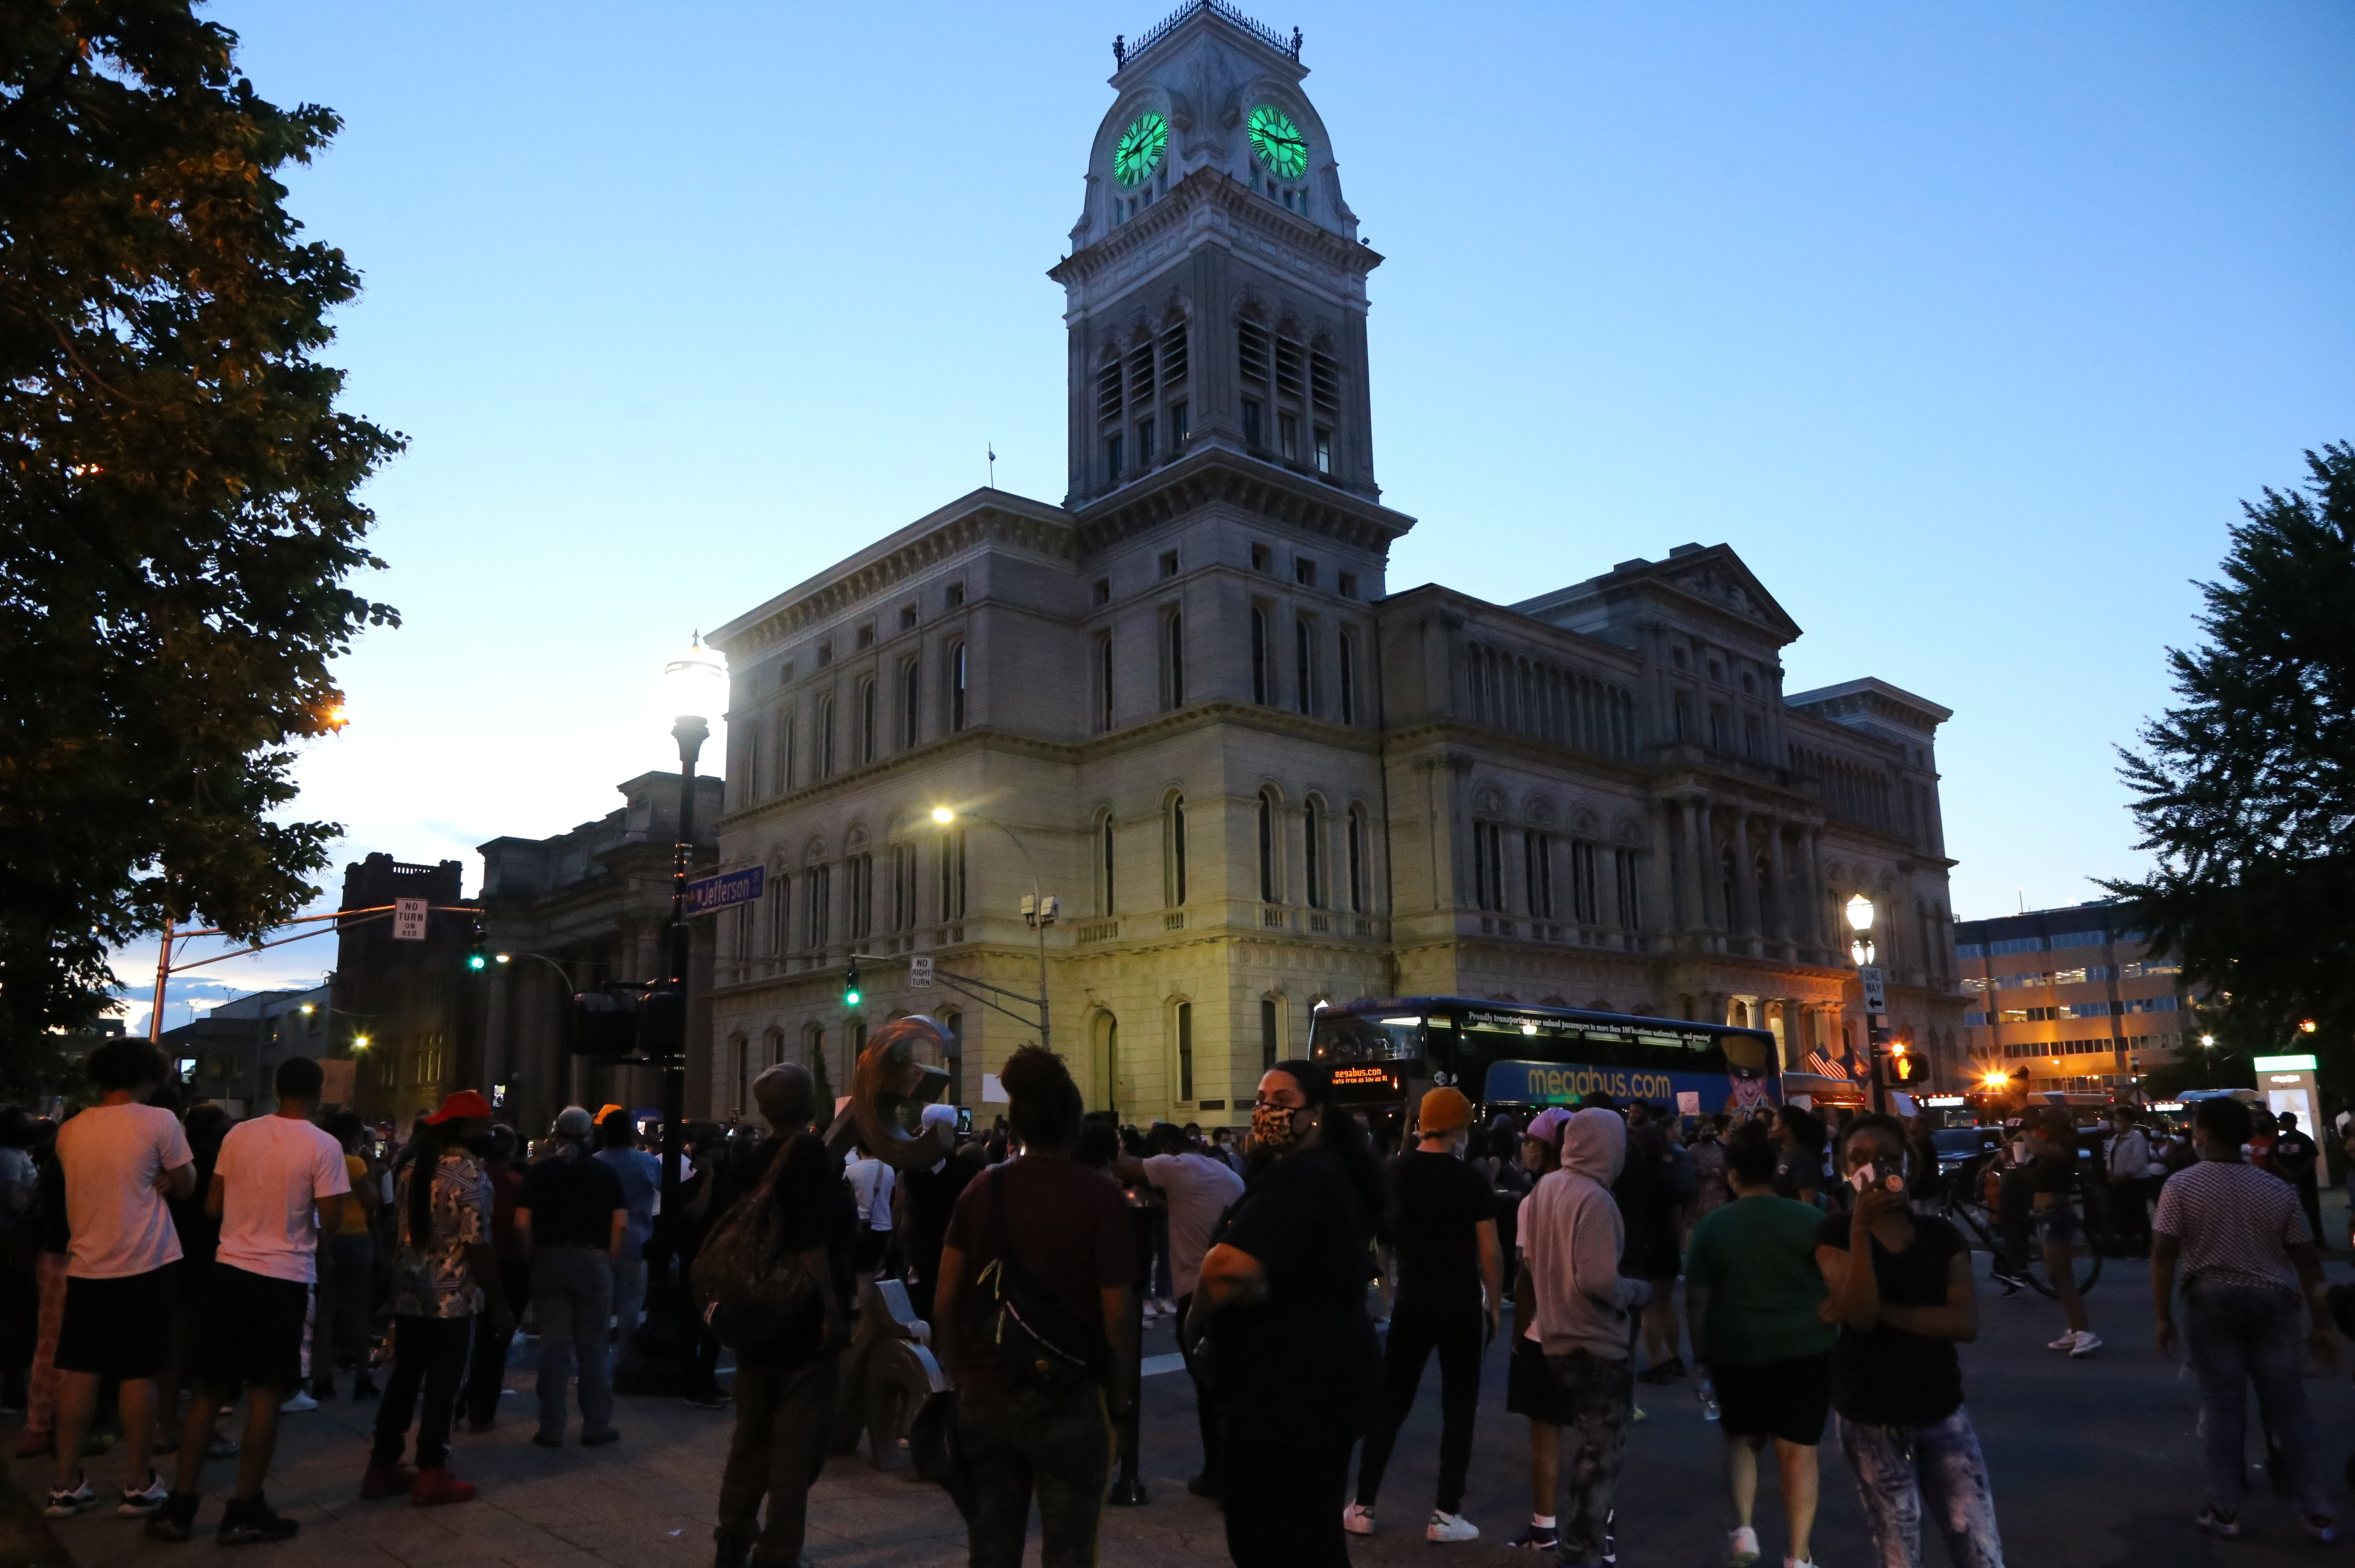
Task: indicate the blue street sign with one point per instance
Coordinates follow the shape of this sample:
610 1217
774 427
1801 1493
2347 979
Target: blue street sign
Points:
725 890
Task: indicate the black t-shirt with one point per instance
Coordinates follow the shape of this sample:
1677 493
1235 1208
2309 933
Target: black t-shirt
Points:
2294 1156
572 1198
932 1194
1304 1359
2053 1171
1063 1225
1437 1202
1887 1377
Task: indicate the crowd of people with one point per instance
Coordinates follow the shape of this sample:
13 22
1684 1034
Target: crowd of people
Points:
182 1261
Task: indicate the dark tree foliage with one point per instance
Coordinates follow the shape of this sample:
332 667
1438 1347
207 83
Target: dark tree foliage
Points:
176 511
2246 790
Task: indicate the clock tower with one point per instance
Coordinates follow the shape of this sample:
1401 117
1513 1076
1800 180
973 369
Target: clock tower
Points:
1216 287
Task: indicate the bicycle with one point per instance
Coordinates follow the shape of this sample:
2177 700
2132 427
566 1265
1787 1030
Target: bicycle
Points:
1963 1205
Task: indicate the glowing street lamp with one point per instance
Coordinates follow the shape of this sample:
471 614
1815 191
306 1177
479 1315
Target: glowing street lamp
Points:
1859 911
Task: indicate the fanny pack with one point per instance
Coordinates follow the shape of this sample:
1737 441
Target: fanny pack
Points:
1042 1342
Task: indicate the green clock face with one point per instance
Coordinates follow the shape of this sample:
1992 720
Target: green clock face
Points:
1278 143
1140 149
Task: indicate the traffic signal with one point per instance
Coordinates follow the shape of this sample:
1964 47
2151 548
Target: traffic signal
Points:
850 985
478 949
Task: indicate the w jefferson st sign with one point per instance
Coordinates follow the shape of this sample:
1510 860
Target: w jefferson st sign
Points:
726 890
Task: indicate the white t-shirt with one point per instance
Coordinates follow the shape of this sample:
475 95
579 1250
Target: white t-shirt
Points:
1200 1186
872 1183
111 1156
272 1172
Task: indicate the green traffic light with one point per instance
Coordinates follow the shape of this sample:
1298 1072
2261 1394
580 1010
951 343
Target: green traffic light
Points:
475 961
849 998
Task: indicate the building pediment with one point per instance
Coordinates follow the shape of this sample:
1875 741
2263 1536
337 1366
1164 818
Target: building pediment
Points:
1709 578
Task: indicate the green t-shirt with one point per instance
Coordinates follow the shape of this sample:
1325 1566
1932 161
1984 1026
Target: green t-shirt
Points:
1756 1258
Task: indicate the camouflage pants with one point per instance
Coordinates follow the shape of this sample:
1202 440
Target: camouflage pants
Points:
1593 1395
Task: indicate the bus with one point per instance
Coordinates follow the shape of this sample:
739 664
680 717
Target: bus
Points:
1510 1056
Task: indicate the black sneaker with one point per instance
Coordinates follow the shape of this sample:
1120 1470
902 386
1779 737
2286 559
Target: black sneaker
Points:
177 1520
1539 1538
713 1400
251 1523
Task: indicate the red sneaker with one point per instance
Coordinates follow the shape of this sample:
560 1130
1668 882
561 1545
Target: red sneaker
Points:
439 1486
387 1481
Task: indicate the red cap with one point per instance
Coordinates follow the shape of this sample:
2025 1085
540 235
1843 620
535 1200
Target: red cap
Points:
466 1104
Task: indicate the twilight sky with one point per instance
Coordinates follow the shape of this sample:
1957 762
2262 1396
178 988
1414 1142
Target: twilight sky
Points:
1967 327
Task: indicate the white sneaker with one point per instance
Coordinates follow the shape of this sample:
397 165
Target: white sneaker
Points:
66 1504
1450 1527
300 1402
2087 1343
144 1500
2068 1342
1358 1519
1742 1548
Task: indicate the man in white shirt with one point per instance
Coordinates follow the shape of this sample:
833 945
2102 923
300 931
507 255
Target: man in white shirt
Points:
277 1187
121 1157
1200 1188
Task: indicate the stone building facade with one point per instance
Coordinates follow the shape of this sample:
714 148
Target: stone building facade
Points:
1186 703
579 911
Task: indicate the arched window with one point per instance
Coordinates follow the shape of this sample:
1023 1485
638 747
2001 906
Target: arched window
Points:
739 1074
1537 854
1266 848
1488 866
779 892
1313 857
1104 1062
825 737
867 720
1173 657
1103 682
1104 890
773 1048
818 900
1303 641
1173 879
1357 859
912 686
1185 1051
1729 889
1262 678
785 750
953 874
957 686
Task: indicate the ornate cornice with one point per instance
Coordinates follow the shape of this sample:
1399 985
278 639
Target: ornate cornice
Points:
1226 203
1212 476
983 518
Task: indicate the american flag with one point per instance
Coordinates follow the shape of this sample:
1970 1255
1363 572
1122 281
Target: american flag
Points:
1823 1066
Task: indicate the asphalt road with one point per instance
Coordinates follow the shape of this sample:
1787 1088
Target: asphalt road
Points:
2095 1461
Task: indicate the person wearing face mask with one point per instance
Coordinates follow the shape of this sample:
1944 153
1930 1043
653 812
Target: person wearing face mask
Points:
1450 1291
1282 1303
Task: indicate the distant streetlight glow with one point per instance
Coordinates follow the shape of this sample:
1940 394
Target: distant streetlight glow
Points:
359 1042
943 816
2208 1039
2305 1026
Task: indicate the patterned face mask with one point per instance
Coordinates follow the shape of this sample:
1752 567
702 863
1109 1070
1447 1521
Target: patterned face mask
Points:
1273 1126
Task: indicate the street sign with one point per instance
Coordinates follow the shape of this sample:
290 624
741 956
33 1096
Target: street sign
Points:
919 972
1876 988
726 890
409 920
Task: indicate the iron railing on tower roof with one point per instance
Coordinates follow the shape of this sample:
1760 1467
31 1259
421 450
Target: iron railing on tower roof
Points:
1124 51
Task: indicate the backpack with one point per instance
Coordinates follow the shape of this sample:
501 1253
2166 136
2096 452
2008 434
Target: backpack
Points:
1044 1346
751 1292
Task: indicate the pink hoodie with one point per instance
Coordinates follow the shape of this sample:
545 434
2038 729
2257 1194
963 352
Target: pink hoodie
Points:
1571 1236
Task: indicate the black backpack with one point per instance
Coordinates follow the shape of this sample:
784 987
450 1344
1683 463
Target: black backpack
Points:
752 1293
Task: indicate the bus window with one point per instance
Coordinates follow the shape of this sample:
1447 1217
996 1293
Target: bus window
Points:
1356 1036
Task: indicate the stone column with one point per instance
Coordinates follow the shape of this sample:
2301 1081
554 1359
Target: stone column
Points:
1696 857
1745 880
1787 927
1812 883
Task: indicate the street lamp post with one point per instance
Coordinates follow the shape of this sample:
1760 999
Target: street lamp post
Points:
1873 982
696 680
1038 909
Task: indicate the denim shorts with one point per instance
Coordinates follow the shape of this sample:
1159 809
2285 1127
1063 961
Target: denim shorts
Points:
2056 1226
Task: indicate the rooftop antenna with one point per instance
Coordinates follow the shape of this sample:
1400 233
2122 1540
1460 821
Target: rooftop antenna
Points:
2023 901
992 448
